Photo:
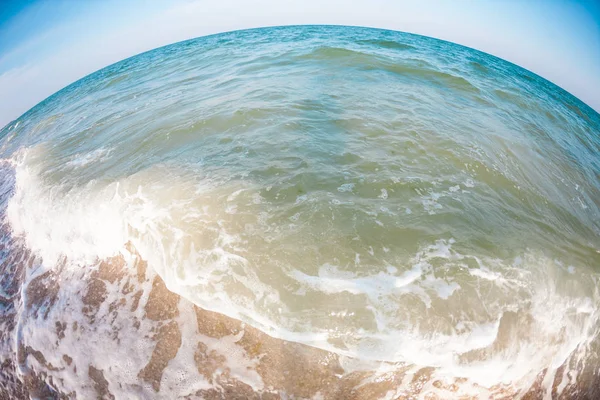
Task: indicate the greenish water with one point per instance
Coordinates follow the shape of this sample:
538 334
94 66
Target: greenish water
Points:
373 193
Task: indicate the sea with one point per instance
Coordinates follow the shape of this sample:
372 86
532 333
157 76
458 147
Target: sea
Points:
394 201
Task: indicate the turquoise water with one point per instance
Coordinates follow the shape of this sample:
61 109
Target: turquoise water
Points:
377 194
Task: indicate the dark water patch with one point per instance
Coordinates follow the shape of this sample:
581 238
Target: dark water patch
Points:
337 54
443 78
115 81
479 67
387 44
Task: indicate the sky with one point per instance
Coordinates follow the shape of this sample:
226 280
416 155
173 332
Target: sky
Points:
47 44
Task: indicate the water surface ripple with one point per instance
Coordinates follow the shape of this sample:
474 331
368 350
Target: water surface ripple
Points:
380 195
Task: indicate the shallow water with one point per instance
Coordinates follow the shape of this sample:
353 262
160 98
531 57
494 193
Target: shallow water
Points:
380 195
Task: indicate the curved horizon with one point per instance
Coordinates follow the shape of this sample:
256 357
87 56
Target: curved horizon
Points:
295 25
45 46
358 192
212 210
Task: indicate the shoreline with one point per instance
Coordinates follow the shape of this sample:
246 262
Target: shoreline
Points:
184 351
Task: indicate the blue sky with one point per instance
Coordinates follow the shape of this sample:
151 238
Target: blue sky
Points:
48 44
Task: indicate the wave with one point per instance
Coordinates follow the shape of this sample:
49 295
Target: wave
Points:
516 319
387 44
318 201
411 69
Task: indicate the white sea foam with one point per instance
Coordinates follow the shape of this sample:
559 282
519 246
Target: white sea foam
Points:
346 187
94 222
81 160
318 216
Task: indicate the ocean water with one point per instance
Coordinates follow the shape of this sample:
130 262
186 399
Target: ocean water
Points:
383 196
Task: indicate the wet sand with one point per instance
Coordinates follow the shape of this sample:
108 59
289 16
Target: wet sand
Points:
193 353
